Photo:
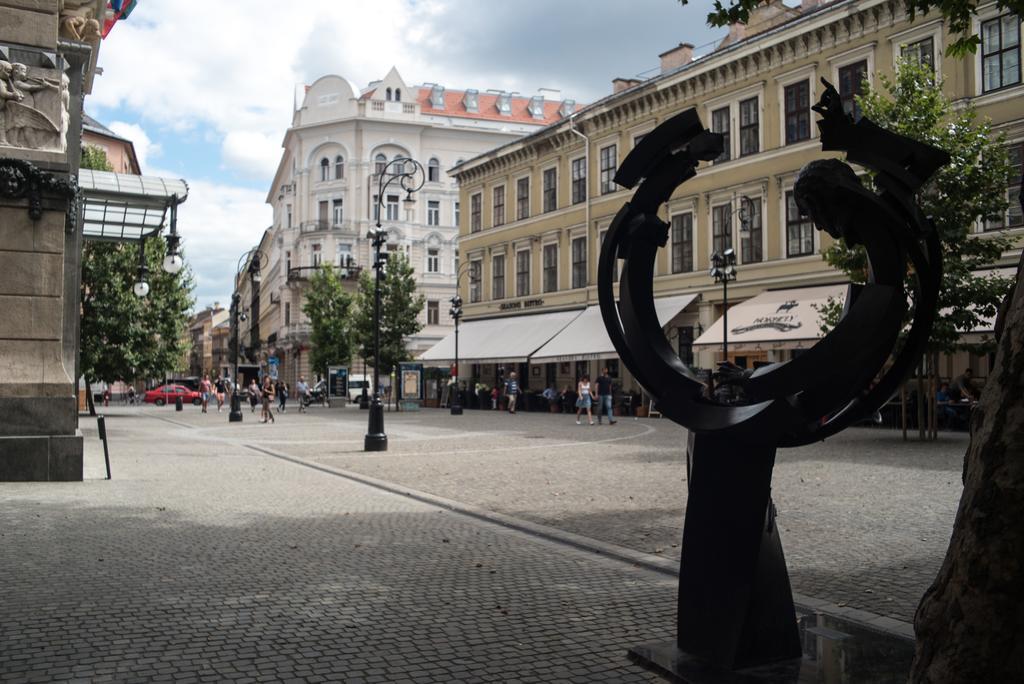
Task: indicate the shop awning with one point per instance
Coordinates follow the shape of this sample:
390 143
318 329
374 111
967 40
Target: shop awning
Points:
776 319
511 339
987 327
587 339
124 207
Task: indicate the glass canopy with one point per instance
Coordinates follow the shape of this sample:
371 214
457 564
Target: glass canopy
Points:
126 208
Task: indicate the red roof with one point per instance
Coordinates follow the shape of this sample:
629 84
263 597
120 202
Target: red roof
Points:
487 106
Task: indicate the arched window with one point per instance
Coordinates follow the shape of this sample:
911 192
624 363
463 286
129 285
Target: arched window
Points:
325 169
387 94
379 162
398 168
339 167
398 94
433 170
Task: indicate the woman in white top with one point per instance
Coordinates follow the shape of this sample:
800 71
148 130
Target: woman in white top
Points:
586 398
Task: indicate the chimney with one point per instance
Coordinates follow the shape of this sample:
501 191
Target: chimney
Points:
676 57
620 84
737 32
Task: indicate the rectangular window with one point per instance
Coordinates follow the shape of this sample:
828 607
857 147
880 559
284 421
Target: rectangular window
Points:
579 180
475 276
637 138
522 199
1013 216
288 216
392 208
321 214
721 227
799 230
579 262
433 312
522 273
551 267
344 250
851 84
751 235
682 243
474 213
749 121
375 210
1000 52
550 189
685 344
921 51
498 210
609 160
287 313
455 214
338 211
798 111
316 256
433 212
498 277
720 124
288 261
433 260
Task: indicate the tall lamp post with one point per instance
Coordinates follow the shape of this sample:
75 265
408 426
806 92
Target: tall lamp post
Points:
255 259
410 177
456 314
723 269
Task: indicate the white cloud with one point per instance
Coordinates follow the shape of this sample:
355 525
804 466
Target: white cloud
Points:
254 154
144 147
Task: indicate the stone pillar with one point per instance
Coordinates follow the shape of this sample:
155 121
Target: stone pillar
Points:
39 439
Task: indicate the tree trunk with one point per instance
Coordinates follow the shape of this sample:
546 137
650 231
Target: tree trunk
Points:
88 398
920 401
970 624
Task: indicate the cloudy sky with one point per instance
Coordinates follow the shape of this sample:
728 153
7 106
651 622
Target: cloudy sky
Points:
205 90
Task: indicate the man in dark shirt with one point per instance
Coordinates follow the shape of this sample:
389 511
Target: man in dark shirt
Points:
604 396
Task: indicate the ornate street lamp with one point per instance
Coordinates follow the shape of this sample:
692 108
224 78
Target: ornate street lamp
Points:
456 314
255 259
410 177
723 269
141 286
173 261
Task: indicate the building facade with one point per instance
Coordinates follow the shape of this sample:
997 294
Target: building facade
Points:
325 192
537 208
202 327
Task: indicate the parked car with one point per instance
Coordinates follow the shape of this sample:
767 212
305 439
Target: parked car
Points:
167 394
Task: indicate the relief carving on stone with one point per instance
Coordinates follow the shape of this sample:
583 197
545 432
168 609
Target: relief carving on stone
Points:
33 107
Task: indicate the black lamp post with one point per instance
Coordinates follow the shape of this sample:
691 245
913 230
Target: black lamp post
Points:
456 313
723 269
410 177
255 258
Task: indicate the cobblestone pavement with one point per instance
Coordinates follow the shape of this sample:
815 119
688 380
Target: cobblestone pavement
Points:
203 560
865 517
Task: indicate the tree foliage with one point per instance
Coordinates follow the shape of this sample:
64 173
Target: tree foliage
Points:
399 313
956 197
123 336
329 309
958 13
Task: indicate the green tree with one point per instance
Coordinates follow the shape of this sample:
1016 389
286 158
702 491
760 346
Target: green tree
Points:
123 336
329 309
400 307
959 14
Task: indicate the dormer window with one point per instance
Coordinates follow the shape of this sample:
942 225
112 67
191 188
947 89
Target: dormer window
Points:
339 167
471 101
398 94
433 170
437 97
325 169
536 107
387 94
504 104
567 108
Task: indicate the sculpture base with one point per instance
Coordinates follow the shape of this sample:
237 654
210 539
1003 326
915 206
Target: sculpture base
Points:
675 665
51 458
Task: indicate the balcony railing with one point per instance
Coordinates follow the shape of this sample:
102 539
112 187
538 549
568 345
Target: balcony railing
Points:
302 274
325 226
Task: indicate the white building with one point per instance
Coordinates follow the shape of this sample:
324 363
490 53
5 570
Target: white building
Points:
324 193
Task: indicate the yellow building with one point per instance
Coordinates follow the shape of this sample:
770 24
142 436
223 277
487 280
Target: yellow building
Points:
537 208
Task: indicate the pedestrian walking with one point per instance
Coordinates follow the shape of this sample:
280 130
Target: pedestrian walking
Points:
494 398
512 391
131 395
254 395
282 396
604 396
584 398
268 401
206 389
303 392
219 388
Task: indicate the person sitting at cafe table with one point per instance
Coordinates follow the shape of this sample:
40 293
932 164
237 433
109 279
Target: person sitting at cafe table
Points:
964 388
944 401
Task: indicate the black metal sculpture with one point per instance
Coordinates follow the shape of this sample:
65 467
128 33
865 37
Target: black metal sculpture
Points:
735 604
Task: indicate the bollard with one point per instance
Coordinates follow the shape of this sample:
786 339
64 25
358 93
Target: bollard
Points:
101 424
177 403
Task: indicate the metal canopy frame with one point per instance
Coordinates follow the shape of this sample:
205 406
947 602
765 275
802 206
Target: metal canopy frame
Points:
122 207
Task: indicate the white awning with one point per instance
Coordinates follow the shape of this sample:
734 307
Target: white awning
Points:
586 338
987 326
124 207
511 339
776 319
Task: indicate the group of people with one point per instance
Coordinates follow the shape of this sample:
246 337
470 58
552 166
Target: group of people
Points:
948 397
217 389
600 393
262 395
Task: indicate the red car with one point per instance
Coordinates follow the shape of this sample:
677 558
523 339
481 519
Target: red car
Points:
166 394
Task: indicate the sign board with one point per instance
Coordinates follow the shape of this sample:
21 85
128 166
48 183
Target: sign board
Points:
273 363
337 381
411 381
